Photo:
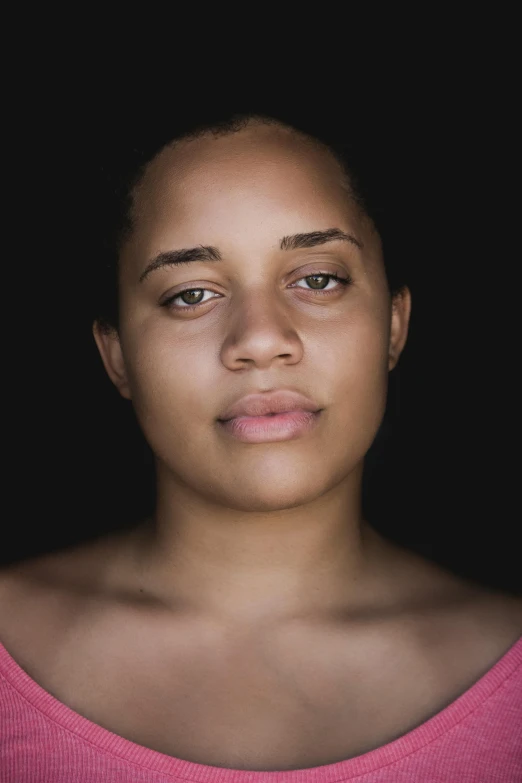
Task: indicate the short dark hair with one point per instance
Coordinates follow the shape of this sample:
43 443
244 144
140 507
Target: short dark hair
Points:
124 169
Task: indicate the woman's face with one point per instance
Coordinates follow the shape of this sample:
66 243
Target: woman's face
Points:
259 324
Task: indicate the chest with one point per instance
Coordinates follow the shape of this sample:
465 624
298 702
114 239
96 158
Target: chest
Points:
284 702
292 697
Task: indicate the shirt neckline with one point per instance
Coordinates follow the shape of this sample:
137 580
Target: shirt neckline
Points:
155 761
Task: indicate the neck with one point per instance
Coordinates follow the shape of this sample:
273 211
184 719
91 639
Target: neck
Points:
240 565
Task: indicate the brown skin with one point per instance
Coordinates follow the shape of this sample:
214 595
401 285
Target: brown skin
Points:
250 530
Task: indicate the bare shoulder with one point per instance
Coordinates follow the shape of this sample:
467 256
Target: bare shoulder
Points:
478 632
460 616
501 612
39 593
87 563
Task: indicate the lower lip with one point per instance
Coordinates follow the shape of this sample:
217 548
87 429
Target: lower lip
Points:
263 429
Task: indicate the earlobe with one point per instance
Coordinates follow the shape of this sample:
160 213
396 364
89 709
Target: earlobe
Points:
111 354
400 320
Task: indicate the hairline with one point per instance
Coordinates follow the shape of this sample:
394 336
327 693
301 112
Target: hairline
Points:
218 130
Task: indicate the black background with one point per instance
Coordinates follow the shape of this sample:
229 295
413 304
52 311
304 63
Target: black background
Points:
445 467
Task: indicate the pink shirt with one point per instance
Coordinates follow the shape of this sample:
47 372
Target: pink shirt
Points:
478 737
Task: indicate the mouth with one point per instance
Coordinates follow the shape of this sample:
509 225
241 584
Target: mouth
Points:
263 416
271 427
268 405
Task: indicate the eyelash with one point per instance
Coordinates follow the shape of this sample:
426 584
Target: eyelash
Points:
344 281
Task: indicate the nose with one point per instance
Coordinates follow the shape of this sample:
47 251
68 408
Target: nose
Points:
261 332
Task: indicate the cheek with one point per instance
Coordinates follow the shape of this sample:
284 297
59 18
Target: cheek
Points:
169 379
354 373
356 349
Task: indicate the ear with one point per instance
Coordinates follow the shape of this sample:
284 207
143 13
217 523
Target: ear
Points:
400 319
109 347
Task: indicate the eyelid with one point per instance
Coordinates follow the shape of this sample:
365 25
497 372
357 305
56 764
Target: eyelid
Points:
343 280
190 287
314 270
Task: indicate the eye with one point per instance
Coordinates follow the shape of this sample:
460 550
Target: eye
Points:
191 294
321 279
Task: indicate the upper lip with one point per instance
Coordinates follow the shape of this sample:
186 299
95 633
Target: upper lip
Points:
269 402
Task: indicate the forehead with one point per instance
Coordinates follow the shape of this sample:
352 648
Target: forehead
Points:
262 181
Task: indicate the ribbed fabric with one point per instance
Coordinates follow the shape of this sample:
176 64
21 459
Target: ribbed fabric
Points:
476 739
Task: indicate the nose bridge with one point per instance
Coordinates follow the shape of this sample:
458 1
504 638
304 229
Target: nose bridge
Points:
261 327
261 304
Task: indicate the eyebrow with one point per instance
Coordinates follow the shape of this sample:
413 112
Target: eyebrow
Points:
208 253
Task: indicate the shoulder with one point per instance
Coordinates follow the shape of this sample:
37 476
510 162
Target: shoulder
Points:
39 595
476 624
87 566
498 615
452 616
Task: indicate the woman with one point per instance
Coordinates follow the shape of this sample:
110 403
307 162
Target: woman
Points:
256 622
